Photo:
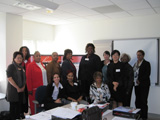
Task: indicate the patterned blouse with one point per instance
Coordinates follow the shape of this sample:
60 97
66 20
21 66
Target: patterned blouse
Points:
101 94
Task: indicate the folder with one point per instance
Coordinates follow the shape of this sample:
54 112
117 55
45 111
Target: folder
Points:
127 112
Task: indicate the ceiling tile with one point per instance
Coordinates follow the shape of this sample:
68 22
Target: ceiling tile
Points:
154 3
142 12
60 22
71 7
118 15
44 11
8 2
85 12
108 9
132 4
93 3
37 15
97 17
61 1
77 19
64 16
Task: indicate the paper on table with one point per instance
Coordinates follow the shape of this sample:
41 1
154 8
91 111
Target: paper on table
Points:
121 118
65 113
41 116
81 106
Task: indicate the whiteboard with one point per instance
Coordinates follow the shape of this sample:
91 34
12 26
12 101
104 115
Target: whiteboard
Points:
149 46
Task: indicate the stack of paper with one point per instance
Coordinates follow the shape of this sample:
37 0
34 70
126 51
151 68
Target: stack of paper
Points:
65 113
41 116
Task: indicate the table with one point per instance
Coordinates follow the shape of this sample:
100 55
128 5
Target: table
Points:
107 115
2 96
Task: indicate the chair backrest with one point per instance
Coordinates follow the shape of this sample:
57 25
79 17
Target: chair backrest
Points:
40 94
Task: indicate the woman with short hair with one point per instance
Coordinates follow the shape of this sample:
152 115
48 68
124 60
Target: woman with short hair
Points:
128 83
142 71
99 91
116 77
105 64
36 76
90 63
15 87
67 65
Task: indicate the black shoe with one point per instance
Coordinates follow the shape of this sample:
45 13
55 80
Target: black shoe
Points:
22 116
144 118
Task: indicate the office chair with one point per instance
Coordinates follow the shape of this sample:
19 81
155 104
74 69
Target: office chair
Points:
39 99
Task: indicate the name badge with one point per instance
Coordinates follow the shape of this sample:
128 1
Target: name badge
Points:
75 84
87 59
118 70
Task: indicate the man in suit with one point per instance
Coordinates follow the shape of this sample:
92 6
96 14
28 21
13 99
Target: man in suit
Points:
53 67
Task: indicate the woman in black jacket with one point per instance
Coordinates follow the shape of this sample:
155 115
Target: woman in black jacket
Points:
90 63
116 77
142 71
54 93
73 90
67 65
128 83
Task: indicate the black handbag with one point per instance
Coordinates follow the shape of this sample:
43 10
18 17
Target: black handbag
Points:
79 117
93 113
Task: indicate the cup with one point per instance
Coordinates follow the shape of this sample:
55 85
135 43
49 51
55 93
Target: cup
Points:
74 105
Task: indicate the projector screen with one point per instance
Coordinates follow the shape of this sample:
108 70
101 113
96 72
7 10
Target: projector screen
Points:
149 46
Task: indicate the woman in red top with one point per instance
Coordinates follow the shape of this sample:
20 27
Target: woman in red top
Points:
36 76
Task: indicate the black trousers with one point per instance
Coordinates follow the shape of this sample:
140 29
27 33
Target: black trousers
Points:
127 98
141 102
25 105
52 105
16 108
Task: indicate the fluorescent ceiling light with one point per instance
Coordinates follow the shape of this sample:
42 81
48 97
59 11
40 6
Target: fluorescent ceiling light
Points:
26 6
43 3
37 4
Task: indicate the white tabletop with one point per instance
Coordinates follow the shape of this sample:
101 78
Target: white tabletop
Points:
2 96
107 115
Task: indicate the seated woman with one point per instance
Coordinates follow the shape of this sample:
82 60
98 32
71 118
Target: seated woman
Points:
54 93
72 90
99 91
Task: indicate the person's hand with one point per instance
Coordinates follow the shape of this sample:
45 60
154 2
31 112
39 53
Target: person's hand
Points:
58 101
18 89
138 82
115 84
79 99
115 88
73 100
22 89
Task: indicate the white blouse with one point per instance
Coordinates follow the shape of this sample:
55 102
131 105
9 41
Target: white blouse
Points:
44 73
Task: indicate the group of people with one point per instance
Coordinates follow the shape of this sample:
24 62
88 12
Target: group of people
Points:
97 81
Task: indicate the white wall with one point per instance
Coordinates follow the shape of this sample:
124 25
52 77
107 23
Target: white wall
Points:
11 41
3 56
76 36
14 34
38 37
